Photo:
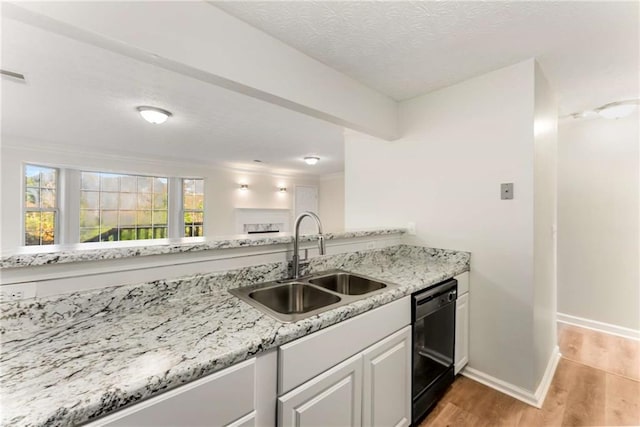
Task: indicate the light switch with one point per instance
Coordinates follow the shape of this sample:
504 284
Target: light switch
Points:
506 191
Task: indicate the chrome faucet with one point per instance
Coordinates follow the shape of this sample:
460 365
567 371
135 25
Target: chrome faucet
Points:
296 243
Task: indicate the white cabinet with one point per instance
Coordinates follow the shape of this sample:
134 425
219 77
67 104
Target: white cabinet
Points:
372 388
387 381
333 398
242 395
462 323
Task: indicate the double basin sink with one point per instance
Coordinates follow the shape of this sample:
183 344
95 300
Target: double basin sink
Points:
296 299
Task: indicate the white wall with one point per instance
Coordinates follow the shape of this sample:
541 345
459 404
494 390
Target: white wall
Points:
545 220
458 144
222 194
598 223
331 202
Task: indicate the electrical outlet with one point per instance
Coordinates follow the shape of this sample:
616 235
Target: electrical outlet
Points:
506 191
18 291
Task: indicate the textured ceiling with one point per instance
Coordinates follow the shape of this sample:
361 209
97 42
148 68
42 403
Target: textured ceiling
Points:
79 96
589 50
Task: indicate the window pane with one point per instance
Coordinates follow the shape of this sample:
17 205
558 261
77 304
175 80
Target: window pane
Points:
32 176
48 179
109 201
39 228
160 201
144 218
144 201
127 219
159 217
123 208
89 234
90 181
48 198
128 201
89 218
32 197
144 184
89 200
48 222
128 183
109 182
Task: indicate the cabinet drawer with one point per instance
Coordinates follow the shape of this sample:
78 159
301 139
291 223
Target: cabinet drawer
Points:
218 399
307 357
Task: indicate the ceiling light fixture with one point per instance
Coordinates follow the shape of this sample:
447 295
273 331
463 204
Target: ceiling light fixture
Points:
283 189
311 160
154 115
244 187
617 110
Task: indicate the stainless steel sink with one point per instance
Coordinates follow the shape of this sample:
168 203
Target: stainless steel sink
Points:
347 283
296 299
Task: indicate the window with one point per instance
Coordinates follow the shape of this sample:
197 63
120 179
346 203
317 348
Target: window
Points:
122 207
193 207
40 205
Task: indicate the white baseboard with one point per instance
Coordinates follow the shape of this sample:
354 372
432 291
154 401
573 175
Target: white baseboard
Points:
534 399
549 372
606 328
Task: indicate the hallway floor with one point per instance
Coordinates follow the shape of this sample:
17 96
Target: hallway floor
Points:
597 383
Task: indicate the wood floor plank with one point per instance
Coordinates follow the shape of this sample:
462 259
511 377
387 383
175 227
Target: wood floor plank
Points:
596 383
622 401
585 399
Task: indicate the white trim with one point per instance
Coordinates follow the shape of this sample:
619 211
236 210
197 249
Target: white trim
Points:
594 325
534 399
545 383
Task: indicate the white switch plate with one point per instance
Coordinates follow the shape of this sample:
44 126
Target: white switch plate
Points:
411 228
18 291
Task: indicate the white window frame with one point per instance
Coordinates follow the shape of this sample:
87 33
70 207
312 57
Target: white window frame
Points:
67 211
183 210
25 209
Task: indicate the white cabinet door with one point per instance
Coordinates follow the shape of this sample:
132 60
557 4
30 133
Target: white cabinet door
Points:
333 398
387 381
462 332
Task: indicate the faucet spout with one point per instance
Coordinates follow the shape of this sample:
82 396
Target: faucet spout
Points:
296 240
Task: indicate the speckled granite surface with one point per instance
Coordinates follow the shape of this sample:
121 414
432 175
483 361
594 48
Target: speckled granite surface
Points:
71 359
59 254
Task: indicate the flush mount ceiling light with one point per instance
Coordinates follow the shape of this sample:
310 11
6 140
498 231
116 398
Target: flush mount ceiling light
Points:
154 115
617 110
283 189
311 160
244 187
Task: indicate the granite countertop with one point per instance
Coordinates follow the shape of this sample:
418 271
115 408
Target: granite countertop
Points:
68 360
31 256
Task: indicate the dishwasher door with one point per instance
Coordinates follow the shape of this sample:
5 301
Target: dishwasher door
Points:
434 314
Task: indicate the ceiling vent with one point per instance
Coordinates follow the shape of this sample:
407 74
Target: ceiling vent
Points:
13 75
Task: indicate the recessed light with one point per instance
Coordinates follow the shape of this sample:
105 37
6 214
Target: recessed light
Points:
154 115
311 160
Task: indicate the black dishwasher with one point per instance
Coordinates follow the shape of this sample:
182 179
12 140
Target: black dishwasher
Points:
434 325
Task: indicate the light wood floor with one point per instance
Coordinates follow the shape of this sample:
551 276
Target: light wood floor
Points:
597 383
